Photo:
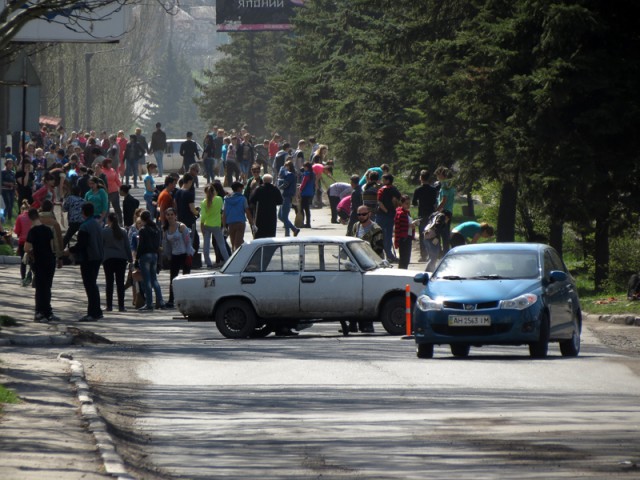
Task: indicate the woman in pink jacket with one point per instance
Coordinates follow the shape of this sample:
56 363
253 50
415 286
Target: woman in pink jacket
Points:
113 187
21 228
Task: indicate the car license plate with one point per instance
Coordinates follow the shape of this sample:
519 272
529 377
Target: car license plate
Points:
469 321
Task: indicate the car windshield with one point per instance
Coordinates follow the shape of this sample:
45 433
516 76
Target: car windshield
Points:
229 260
365 256
488 265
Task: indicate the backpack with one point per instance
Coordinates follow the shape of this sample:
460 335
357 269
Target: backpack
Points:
633 290
435 222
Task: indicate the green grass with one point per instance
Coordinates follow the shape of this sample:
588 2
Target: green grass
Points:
616 304
7 396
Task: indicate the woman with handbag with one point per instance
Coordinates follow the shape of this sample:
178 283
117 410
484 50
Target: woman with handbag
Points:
178 247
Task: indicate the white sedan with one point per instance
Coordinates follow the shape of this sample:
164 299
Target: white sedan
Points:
272 282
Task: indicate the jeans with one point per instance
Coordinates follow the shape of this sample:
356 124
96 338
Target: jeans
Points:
132 169
89 271
115 269
433 252
386 223
216 232
114 200
149 268
159 154
210 169
283 215
148 199
9 199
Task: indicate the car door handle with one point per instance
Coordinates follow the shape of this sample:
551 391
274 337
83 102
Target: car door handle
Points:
246 280
308 279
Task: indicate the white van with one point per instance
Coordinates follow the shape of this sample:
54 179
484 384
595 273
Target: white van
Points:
172 160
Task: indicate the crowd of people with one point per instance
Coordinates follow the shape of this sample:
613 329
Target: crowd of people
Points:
91 177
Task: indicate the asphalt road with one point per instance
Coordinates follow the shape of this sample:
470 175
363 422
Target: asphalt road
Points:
320 405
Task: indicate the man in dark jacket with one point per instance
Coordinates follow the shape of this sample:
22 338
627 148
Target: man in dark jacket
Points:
189 152
158 146
265 199
132 155
89 252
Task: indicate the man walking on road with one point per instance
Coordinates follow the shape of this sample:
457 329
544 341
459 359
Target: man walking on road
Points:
158 146
89 251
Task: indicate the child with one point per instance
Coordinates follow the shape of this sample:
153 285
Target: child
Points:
403 232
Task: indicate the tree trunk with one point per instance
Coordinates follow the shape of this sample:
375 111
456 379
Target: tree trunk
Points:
470 210
602 249
556 230
506 228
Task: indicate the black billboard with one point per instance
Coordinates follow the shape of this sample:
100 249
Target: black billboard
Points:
254 15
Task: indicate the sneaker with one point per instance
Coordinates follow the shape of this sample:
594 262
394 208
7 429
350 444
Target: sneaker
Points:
161 306
88 318
53 318
40 318
145 308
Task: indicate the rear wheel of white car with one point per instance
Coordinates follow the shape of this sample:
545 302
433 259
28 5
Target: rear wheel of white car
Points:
460 350
539 349
235 319
392 316
424 350
571 347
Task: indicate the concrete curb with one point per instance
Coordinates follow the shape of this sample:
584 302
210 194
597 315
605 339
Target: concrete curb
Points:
36 340
629 320
9 260
113 463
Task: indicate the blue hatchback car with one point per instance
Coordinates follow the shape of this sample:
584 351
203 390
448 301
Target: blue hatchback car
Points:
498 294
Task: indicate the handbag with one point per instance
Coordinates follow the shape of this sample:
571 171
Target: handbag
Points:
136 275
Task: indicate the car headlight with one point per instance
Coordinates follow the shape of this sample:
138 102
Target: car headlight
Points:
426 304
521 302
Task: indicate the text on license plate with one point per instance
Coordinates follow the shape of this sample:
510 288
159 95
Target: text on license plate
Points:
469 320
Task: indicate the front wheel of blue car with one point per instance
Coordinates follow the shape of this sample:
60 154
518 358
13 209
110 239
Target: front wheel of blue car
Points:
424 350
571 347
540 348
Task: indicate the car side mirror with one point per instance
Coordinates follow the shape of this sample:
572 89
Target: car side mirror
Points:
422 278
557 276
350 266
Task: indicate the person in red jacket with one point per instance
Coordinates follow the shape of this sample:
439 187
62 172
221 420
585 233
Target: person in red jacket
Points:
404 230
